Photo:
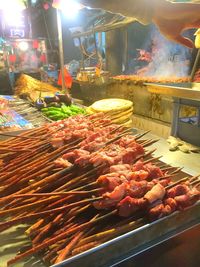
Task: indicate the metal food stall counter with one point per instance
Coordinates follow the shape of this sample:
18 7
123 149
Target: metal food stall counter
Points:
161 242
154 239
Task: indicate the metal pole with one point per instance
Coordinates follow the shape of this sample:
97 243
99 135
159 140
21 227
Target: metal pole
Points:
61 51
95 45
126 48
47 30
82 55
29 19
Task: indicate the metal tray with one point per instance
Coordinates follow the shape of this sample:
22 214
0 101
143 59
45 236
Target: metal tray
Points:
131 243
136 241
185 90
111 252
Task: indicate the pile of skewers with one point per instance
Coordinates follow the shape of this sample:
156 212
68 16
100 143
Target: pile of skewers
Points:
140 80
80 182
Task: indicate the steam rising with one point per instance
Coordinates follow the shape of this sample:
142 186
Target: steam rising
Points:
167 58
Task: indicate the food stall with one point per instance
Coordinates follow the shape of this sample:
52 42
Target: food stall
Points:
92 190
118 238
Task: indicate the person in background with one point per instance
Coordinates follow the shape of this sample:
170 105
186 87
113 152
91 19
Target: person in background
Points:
170 18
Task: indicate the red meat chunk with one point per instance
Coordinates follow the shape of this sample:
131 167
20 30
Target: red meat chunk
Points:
128 206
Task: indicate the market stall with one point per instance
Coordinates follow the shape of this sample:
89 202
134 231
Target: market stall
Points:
65 182
86 186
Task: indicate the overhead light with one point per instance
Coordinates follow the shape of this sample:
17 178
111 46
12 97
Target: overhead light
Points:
12 4
23 46
14 18
69 8
12 12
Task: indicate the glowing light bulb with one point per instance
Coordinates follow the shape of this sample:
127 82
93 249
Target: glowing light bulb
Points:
23 46
70 8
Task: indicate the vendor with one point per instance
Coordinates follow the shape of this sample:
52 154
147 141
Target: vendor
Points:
171 18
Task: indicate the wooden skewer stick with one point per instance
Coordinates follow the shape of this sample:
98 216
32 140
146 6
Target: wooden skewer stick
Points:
168 168
163 177
15 150
176 171
87 185
149 153
28 132
138 136
149 142
41 195
176 183
117 129
47 212
152 159
86 174
194 178
86 247
22 136
59 237
64 253
44 230
27 207
195 183
116 230
163 165
117 137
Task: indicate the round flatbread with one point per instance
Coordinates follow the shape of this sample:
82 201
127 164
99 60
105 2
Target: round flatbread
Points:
128 123
122 118
112 104
89 110
121 113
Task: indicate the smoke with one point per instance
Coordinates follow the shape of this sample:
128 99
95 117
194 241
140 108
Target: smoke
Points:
167 58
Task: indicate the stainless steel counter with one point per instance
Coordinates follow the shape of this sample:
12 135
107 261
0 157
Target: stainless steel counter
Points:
131 247
189 161
187 91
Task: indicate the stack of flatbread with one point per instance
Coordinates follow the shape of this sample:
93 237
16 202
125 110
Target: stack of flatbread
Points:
120 110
